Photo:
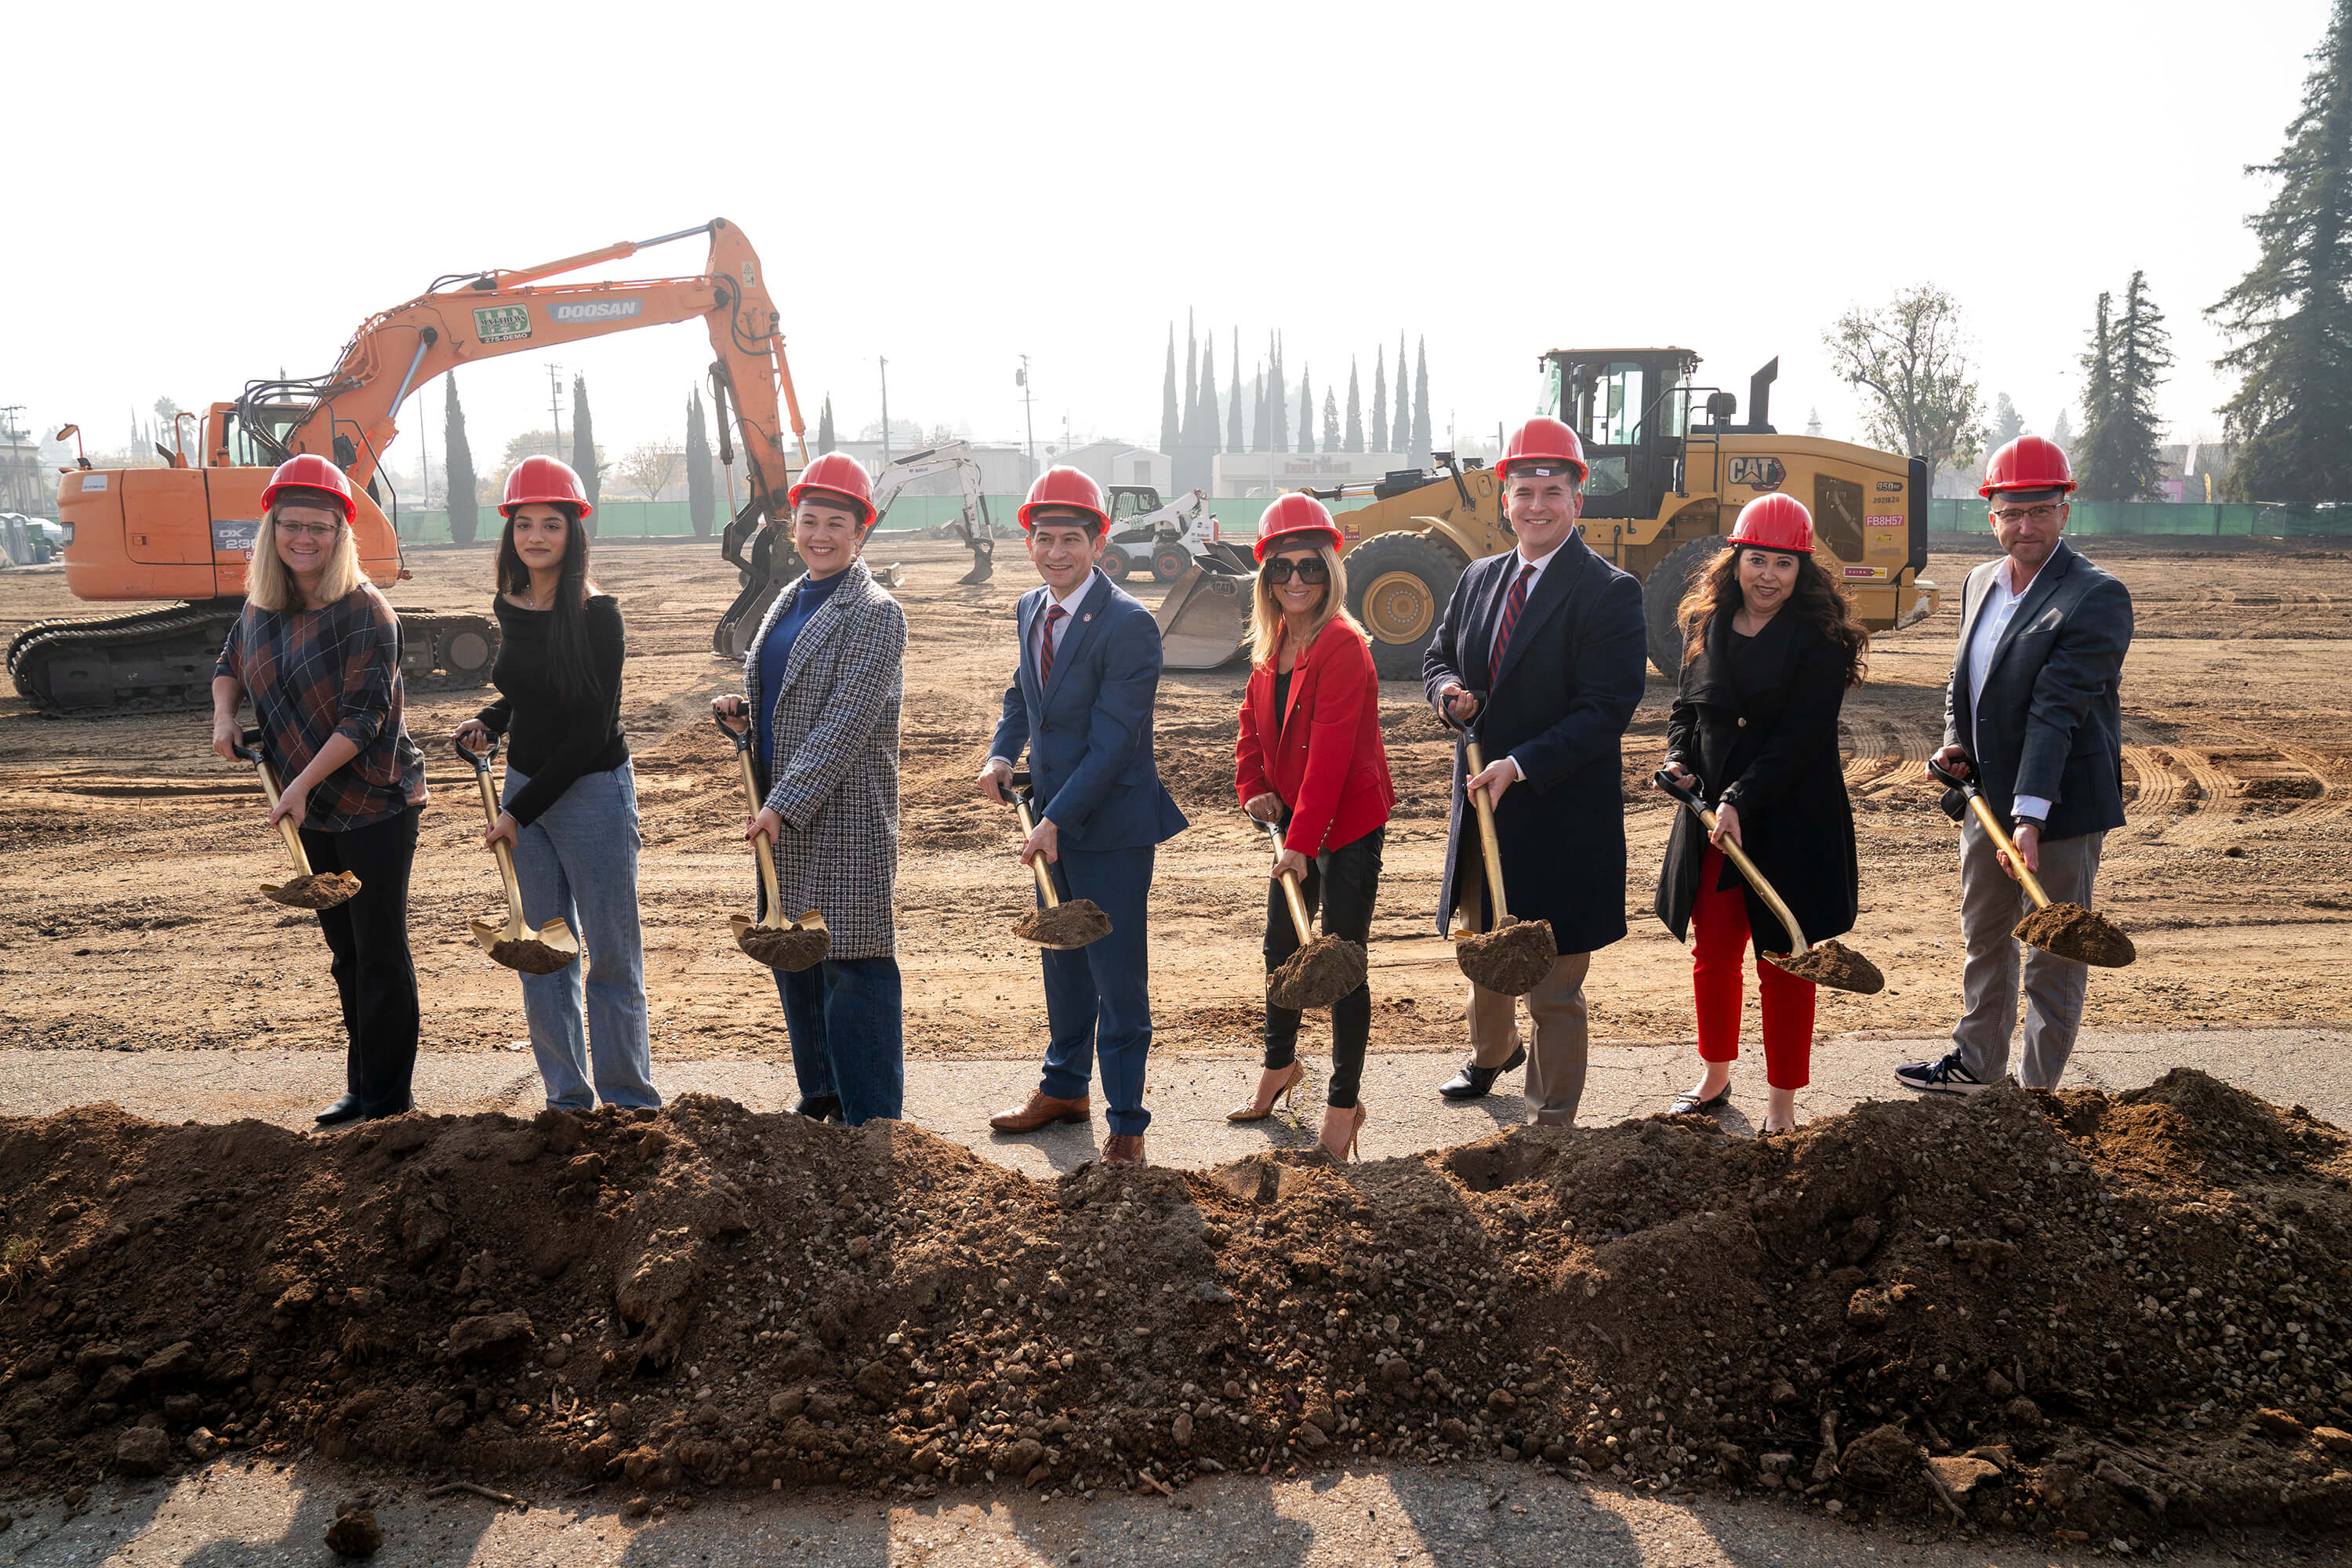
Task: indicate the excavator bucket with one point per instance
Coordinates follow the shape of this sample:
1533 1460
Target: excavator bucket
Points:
983 566
1205 618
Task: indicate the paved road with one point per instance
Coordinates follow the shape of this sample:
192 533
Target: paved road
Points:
1465 1517
2312 1067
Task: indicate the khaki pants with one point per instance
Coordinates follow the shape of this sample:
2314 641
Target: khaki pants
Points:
1990 904
1555 1080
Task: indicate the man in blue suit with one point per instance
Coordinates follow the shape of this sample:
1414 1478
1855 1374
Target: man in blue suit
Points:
1081 704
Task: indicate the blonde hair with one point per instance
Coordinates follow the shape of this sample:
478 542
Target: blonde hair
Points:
1266 617
269 585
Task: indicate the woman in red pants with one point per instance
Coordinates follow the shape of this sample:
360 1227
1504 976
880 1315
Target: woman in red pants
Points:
1770 644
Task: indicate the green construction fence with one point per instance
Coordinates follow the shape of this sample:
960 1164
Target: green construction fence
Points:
667 520
2192 519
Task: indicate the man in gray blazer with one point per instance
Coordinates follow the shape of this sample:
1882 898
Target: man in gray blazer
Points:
2033 698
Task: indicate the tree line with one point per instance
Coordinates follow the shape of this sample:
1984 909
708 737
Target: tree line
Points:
1198 424
651 468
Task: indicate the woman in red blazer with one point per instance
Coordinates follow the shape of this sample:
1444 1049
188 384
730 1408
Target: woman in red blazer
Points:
1310 759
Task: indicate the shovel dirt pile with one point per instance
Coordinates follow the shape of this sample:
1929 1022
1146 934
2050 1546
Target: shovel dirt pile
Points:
310 889
514 945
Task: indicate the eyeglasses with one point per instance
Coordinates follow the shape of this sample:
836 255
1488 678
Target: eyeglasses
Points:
1281 569
309 529
2013 515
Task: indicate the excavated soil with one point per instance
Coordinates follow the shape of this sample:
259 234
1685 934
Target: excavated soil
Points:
2069 931
2059 1314
1512 959
1837 966
528 957
319 891
789 947
1318 974
1071 924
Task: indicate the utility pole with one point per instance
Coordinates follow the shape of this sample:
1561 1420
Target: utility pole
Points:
554 403
1028 416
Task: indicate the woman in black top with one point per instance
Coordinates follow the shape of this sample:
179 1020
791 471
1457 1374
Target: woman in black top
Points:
571 800
1771 643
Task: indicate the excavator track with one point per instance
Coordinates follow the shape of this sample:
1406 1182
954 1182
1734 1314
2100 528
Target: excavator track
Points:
88 668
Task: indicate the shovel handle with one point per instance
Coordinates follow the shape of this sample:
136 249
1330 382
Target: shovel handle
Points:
1737 856
1045 878
286 829
505 858
1290 890
1492 847
762 850
1964 780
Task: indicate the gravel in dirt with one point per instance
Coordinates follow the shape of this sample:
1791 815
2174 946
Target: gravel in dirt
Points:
1837 966
1318 974
2069 931
1511 959
1072 924
2127 1311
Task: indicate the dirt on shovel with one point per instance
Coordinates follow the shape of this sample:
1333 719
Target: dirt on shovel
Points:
527 955
319 891
1835 965
1512 959
2069 931
1070 925
1318 974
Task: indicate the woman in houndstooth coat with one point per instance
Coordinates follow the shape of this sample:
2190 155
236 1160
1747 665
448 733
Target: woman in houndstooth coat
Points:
823 680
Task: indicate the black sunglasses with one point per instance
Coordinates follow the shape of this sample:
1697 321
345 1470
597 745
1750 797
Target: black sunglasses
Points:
1281 569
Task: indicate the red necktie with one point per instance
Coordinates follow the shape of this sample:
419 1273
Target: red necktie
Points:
1054 617
1511 608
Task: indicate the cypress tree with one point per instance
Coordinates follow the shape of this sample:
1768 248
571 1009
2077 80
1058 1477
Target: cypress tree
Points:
1379 431
825 441
584 449
1209 411
1401 434
699 491
1186 429
1168 430
1199 434
1330 420
1420 403
1236 440
2291 315
1305 410
457 468
1278 412
1355 440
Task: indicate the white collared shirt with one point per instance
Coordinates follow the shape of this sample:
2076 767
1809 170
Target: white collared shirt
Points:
1999 607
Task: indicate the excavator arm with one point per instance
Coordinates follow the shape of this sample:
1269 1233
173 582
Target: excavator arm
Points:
974 527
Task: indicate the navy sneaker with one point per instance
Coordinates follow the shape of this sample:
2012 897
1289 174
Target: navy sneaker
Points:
1945 1077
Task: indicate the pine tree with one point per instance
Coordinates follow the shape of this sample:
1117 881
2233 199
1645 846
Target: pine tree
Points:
2095 455
1305 411
1330 420
457 468
1813 422
1168 431
583 450
1379 431
2062 433
1400 435
1420 403
1234 438
700 509
2007 426
2141 353
2291 315
1355 411
825 441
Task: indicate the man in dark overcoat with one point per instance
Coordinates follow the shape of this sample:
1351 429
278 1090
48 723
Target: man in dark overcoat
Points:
1542 656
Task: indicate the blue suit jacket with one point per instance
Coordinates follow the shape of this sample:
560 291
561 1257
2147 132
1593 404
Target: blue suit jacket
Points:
1088 731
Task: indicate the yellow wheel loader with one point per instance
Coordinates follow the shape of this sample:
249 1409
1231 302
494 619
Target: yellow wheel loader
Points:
1670 471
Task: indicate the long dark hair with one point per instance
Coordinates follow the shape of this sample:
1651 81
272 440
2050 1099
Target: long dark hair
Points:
1818 600
568 634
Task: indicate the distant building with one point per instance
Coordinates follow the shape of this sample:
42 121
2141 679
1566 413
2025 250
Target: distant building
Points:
1118 463
1239 474
24 480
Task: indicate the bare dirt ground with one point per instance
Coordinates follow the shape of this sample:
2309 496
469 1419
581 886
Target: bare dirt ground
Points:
131 856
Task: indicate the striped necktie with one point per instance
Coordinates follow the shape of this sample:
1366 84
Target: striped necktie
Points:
1511 608
1054 617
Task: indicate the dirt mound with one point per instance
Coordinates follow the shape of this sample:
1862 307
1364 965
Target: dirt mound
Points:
1981 1307
2069 931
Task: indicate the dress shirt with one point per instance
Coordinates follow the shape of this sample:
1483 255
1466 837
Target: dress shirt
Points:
1058 630
1535 571
1992 618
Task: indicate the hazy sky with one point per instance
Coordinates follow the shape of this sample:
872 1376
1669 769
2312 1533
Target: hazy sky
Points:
954 186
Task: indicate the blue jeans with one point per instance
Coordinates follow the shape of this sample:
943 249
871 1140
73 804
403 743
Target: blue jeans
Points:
578 864
1098 997
848 1033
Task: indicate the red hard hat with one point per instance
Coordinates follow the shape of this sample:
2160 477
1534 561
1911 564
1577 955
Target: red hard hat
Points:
2028 463
1296 513
1544 439
836 473
1065 486
1775 521
543 481
309 472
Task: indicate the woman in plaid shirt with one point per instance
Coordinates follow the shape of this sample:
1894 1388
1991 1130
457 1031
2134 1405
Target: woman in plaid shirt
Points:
318 650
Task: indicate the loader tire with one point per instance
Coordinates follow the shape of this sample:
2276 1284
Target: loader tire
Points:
1662 595
1398 586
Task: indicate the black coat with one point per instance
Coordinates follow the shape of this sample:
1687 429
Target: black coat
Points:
1559 704
1775 757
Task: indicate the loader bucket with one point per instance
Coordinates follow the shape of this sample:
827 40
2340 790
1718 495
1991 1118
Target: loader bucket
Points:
1203 619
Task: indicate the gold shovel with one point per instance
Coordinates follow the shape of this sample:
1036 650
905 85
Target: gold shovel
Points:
1830 963
513 944
1324 968
788 945
1065 927
310 889
1514 957
2068 930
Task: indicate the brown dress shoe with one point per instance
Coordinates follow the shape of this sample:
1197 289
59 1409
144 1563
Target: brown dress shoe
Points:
1123 1149
1042 1108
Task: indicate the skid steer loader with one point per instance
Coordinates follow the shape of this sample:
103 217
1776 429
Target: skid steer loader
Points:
1670 471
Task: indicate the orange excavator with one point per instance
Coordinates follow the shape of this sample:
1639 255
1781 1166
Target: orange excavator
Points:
186 531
